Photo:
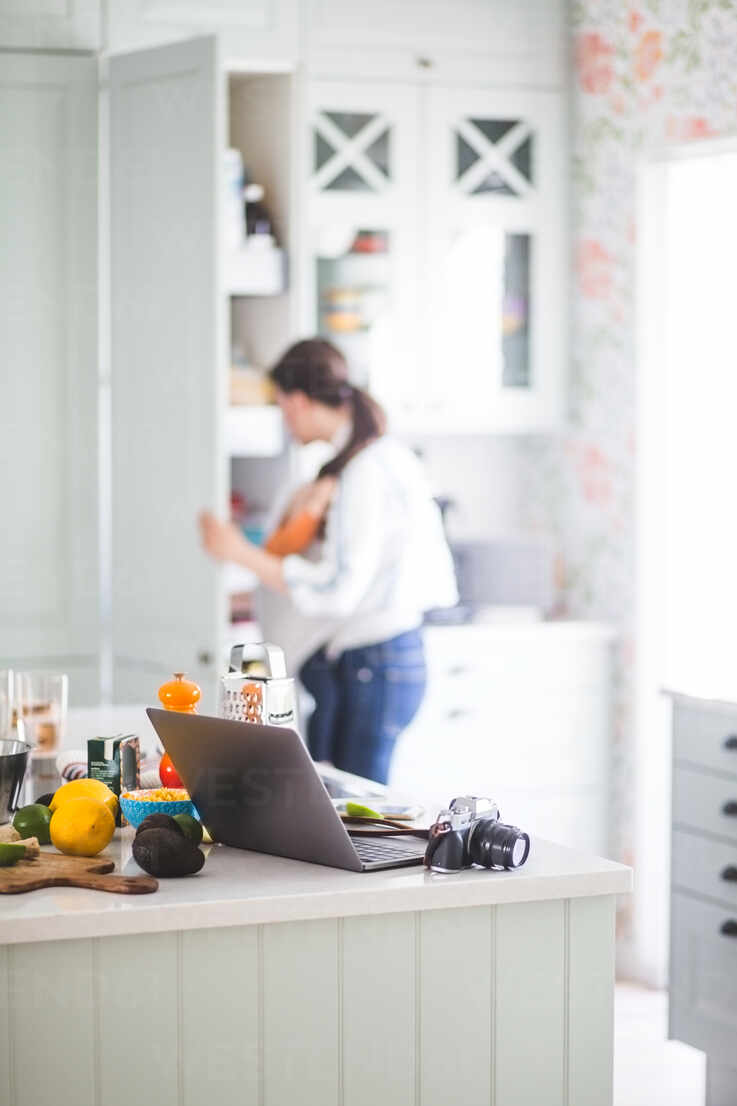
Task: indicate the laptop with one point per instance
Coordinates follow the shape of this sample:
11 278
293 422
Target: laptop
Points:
256 787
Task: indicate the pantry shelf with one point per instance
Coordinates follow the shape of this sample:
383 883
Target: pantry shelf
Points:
255 271
254 431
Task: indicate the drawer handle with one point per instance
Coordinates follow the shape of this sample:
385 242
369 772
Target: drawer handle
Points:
729 928
729 874
731 741
457 712
457 670
730 808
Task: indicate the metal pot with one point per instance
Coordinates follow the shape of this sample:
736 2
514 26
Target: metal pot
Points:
13 763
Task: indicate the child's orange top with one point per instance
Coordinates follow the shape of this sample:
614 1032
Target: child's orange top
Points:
294 535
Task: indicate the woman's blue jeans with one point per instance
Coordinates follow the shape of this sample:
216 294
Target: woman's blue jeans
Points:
363 701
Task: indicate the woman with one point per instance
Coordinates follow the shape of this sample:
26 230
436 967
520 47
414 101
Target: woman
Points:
379 560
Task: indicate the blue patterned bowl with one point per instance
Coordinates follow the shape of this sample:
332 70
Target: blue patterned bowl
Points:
135 808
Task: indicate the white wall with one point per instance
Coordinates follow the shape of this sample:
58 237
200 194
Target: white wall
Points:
482 474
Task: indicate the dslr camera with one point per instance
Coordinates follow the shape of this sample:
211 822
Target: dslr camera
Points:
469 834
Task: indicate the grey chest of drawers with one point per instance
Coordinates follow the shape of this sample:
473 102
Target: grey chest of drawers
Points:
703 949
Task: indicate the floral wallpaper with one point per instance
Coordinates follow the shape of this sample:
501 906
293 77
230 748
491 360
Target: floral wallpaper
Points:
644 74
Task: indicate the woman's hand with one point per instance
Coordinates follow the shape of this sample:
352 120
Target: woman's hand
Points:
221 540
225 542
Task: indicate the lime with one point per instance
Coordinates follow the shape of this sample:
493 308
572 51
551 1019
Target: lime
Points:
11 854
190 827
33 821
358 810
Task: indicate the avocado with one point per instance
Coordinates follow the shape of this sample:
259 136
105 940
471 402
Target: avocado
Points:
190 827
159 821
45 800
162 852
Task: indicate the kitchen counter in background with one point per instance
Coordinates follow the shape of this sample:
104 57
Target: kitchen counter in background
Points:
522 713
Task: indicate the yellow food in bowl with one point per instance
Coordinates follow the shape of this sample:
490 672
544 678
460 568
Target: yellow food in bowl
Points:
159 795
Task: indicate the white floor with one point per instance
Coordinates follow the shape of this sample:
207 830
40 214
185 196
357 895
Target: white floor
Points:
650 1070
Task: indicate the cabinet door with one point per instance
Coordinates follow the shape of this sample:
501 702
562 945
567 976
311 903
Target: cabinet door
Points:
495 321
257 33
446 40
55 25
168 363
48 350
360 244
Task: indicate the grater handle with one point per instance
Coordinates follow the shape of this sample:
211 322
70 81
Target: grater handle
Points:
272 656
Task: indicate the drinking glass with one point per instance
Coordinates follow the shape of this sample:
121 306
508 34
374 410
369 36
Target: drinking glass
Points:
6 702
41 706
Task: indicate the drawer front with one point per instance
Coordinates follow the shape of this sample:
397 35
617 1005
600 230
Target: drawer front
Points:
706 737
557 739
526 660
705 867
704 802
703 983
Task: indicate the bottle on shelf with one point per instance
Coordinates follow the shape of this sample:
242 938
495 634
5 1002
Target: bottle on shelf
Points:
259 227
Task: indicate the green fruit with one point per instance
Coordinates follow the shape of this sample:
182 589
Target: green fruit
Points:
33 821
11 854
162 852
159 821
357 810
190 827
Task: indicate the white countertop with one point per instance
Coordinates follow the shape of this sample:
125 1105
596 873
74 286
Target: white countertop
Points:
243 888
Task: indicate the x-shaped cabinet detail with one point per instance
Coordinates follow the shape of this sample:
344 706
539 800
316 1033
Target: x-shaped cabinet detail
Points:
352 151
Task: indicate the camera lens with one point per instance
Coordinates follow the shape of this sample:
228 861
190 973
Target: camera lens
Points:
496 845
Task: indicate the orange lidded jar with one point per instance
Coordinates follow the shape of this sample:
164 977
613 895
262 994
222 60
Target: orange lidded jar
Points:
183 696
180 694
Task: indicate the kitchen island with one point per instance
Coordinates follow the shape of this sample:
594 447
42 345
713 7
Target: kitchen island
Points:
267 981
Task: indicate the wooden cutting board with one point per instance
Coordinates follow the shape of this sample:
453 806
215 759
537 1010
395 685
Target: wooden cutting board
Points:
55 870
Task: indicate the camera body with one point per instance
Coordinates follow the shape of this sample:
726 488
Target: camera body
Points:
470 834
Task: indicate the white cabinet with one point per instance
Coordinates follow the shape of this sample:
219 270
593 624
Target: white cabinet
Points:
259 34
359 250
459 40
436 250
522 714
495 321
173 432
168 361
50 24
48 409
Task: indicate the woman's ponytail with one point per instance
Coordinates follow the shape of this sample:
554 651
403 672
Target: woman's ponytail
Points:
317 368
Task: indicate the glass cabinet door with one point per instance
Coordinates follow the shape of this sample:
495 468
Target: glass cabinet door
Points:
495 316
354 296
362 261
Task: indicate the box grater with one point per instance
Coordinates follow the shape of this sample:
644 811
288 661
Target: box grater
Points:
248 696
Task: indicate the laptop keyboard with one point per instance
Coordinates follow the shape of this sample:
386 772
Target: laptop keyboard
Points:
385 849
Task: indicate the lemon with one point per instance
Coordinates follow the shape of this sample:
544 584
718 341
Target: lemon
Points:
82 826
88 789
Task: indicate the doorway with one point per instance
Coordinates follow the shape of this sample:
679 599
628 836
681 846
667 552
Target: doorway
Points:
686 516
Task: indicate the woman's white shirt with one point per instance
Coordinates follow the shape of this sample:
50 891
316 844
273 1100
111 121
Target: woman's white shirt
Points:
384 561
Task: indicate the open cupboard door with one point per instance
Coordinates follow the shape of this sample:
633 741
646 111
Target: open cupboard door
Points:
168 364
